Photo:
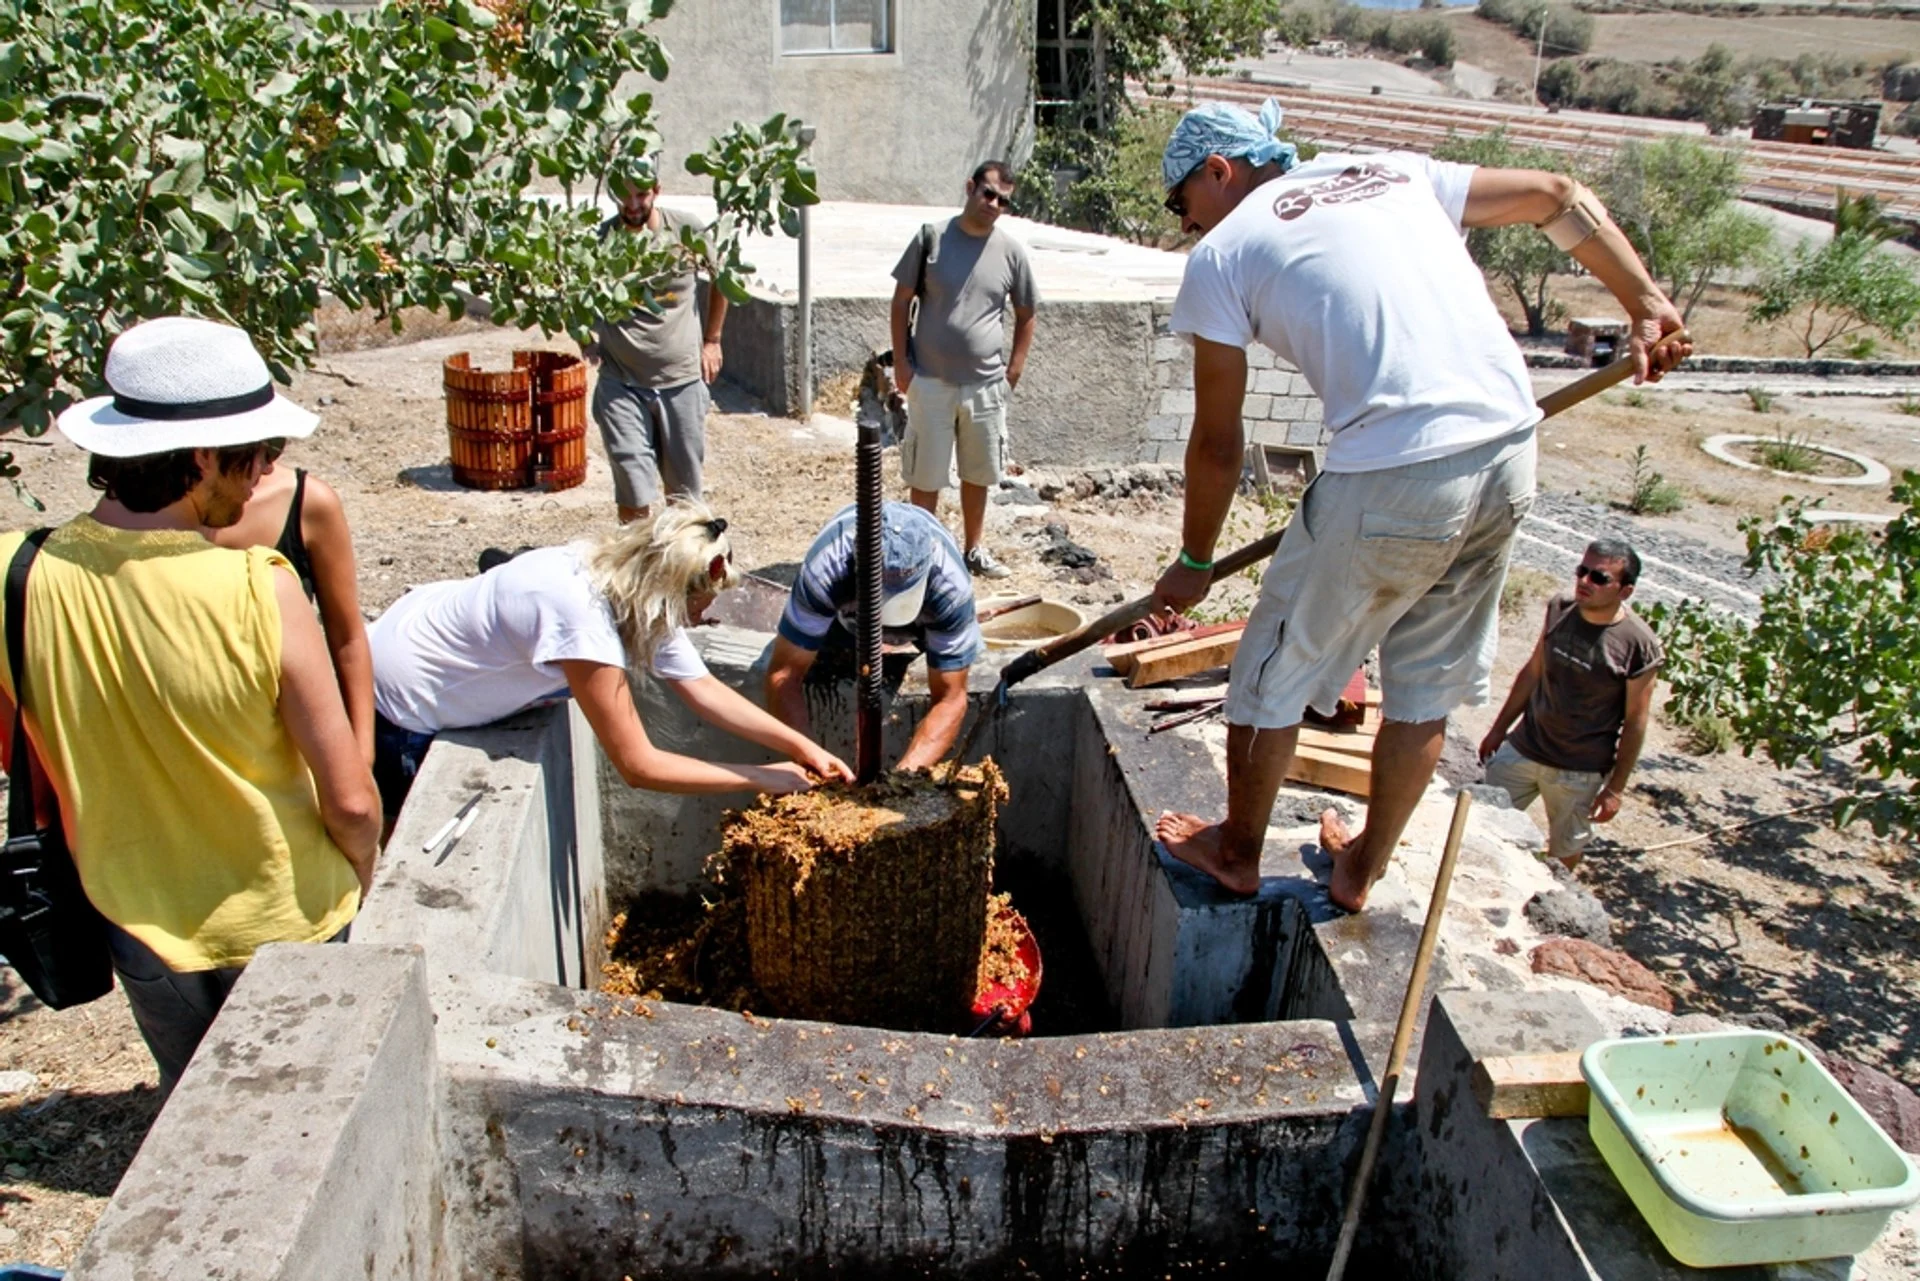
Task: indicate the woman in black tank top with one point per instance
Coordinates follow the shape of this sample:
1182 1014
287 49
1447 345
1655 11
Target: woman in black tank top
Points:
316 541
293 540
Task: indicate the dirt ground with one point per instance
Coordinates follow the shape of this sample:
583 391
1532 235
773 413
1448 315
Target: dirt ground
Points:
1788 921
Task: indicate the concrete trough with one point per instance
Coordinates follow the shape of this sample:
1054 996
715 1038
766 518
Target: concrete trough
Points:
446 1097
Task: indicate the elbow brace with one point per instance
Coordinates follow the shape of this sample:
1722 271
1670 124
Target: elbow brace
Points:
1578 221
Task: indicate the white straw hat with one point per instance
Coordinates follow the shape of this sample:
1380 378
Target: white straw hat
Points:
183 383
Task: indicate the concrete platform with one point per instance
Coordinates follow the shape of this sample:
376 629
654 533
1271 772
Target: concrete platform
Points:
440 1098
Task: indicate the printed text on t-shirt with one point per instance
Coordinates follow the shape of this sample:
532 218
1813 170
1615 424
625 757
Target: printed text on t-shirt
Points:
1357 182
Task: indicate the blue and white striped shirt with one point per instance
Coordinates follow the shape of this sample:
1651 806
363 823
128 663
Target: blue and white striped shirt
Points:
826 591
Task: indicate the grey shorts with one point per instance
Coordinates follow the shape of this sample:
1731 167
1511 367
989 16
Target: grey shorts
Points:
655 438
1411 559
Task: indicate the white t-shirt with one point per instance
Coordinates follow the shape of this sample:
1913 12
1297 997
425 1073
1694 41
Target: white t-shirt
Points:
1353 268
469 651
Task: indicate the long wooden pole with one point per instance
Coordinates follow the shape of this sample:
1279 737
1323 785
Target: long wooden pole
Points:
1402 1038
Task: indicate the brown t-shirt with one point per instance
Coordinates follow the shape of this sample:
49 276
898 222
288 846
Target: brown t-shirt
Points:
1573 718
663 350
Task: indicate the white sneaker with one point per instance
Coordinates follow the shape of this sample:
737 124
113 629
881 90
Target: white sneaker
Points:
981 564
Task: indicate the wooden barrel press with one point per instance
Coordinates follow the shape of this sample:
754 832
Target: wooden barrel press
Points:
519 427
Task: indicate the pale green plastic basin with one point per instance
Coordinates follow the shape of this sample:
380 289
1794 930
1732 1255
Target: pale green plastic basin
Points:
1739 1148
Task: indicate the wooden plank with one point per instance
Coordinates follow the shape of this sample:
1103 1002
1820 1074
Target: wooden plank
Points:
1157 666
1335 771
1530 1085
1347 743
1121 657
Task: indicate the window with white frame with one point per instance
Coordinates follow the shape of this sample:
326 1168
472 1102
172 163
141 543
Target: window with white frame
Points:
836 26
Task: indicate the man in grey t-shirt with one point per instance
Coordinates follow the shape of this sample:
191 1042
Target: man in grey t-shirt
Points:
1586 693
651 400
964 272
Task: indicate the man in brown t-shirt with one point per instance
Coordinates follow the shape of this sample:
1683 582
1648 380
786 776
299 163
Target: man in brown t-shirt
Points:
1585 692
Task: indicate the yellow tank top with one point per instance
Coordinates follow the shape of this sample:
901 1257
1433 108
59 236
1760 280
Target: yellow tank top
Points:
153 687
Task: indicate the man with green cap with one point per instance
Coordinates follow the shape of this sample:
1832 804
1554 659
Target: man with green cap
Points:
651 400
1354 269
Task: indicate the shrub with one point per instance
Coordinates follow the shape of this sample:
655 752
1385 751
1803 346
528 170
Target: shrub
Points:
1828 667
1705 734
1761 399
1788 452
1648 492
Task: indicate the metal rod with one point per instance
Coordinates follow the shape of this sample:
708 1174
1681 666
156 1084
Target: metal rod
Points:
806 136
867 698
1402 1037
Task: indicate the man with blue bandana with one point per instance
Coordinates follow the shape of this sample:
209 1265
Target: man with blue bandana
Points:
1355 269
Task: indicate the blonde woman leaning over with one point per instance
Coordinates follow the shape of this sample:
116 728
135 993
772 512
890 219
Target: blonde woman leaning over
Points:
569 620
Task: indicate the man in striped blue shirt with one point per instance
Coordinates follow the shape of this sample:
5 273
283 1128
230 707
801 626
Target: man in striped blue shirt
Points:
926 598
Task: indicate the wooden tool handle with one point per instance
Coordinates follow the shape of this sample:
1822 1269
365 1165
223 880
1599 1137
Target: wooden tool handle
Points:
1127 615
1233 562
1608 376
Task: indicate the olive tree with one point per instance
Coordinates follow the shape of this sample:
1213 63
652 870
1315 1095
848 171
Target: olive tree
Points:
1518 257
238 161
1676 200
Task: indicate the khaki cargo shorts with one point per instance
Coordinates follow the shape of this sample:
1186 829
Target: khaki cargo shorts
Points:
943 415
1410 559
1569 795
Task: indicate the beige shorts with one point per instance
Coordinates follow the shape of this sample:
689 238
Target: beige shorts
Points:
1411 559
943 415
1568 793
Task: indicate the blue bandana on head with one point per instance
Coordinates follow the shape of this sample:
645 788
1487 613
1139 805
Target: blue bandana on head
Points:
1216 129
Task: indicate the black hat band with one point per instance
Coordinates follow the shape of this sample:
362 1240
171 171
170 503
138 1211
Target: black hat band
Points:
174 411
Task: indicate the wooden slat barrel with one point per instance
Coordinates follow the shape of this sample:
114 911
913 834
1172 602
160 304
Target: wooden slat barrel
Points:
559 417
489 423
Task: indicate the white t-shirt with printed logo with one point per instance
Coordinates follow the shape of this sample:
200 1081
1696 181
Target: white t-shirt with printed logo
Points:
1353 268
469 651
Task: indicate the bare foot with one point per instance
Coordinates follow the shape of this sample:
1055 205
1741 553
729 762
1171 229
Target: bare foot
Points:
1335 835
1349 885
1200 844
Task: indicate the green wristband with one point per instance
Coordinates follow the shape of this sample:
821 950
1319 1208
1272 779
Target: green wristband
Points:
1191 563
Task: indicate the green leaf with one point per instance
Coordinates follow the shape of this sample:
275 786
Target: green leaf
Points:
278 87
439 30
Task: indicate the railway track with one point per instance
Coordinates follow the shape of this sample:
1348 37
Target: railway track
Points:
1801 179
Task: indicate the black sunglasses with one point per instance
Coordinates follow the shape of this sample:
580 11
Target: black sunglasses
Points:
1176 203
270 450
1598 577
1002 198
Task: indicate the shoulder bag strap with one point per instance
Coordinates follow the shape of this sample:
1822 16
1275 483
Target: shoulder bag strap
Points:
20 816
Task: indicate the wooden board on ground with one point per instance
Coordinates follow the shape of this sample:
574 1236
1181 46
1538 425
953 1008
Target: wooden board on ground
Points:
1156 666
1335 771
1347 743
1122 657
1526 1085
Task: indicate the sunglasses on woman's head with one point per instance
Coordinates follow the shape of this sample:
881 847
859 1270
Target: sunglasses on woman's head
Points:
270 450
1598 577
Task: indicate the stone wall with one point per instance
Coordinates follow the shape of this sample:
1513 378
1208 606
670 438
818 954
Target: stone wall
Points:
1280 408
1107 382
